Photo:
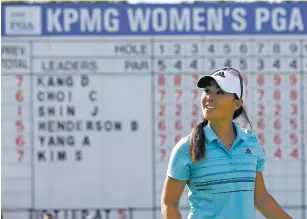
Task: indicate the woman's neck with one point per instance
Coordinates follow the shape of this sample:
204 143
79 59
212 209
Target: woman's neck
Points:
225 131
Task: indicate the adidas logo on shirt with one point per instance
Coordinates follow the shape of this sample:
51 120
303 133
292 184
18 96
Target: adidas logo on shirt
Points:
248 151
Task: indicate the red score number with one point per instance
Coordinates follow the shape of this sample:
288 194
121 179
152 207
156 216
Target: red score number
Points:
20 154
277 153
261 94
178 94
161 80
294 153
277 124
245 79
19 96
122 214
292 79
293 95
277 80
19 111
177 80
293 139
178 110
161 125
261 110
162 94
277 95
261 124
19 125
19 80
277 139
294 109
261 138
19 141
277 109
293 124
162 110
260 80
162 154
163 138
178 125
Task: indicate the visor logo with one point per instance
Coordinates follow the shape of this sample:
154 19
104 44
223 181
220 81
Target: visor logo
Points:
220 73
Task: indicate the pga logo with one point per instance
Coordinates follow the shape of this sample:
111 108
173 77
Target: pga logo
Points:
23 20
18 26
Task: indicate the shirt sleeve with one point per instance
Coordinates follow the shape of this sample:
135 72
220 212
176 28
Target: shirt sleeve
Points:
179 165
261 157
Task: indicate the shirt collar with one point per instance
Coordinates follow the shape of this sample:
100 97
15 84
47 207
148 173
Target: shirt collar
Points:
211 135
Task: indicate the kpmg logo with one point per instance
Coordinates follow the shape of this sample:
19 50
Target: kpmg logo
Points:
23 20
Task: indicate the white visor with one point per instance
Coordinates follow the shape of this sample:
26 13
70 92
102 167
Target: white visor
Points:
228 79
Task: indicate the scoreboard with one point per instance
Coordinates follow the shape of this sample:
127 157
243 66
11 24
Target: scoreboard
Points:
95 96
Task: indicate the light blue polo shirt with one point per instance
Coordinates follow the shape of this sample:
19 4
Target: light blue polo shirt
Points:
221 186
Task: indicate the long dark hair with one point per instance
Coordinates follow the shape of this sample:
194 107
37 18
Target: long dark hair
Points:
197 145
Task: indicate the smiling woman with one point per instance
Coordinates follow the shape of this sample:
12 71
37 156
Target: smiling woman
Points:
224 101
220 162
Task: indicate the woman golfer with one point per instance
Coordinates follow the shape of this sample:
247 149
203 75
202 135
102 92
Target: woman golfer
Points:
220 162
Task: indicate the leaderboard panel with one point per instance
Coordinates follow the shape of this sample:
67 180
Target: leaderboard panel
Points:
93 109
85 119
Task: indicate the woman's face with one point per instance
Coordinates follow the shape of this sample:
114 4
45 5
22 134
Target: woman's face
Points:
217 104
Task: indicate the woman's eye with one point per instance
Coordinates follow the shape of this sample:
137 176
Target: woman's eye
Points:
220 92
206 91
